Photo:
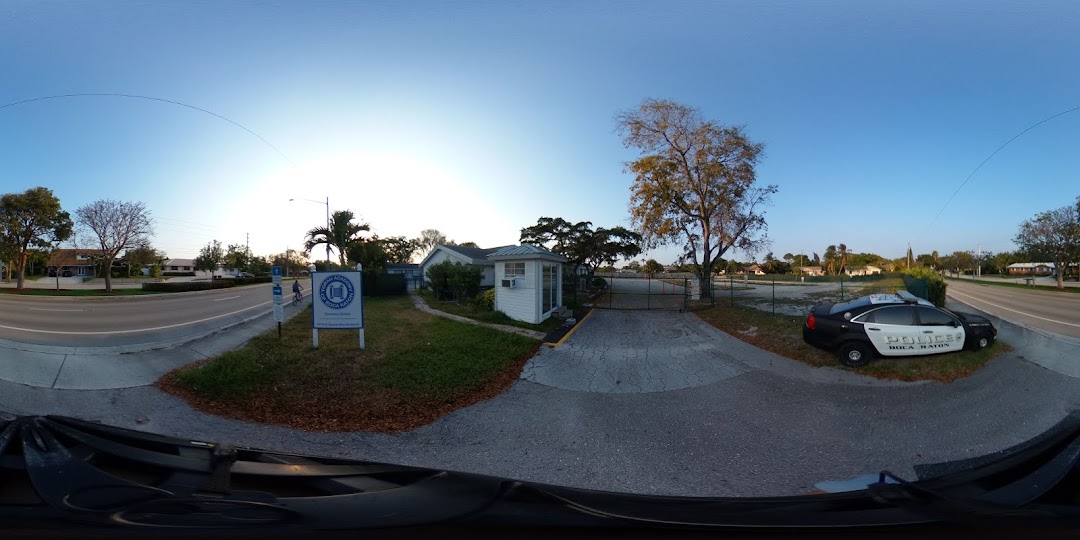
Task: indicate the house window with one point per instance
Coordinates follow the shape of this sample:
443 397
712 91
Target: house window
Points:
187 268
514 270
549 290
174 268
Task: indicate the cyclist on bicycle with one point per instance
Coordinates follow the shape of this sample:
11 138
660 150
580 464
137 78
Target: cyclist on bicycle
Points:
296 288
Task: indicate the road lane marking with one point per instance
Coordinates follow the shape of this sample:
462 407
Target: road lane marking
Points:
108 332
1016 311
226 298
47 309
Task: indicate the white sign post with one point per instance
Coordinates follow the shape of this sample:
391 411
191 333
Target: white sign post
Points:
279 310
337 303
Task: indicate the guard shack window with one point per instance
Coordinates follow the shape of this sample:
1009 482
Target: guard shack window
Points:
513 270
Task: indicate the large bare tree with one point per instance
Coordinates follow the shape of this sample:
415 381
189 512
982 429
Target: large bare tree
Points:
694 184
113 226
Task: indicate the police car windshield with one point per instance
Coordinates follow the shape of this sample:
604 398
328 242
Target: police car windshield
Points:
850 305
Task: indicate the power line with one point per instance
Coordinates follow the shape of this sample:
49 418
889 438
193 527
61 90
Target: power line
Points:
994 153
150 98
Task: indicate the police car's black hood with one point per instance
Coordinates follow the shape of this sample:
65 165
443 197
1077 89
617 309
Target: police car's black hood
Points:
969 318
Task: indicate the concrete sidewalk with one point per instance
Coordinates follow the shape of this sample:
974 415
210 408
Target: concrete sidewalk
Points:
102 368
420 304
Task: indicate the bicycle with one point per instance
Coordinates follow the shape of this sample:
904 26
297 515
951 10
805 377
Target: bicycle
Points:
297 297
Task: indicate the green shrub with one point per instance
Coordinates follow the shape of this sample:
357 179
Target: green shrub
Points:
186 286
250 280
599 283
171 274
155 271
919 278
486 299
455 281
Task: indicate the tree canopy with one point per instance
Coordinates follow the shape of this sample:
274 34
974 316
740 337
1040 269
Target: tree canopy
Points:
1053 235
342 234
211 257
581 244
695 183
29 220
113 226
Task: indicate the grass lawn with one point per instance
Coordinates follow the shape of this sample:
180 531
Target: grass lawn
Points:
75 292
1068 289
783 335
497 317
416 368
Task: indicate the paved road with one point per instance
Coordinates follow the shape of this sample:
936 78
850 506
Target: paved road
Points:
115 321
1057 312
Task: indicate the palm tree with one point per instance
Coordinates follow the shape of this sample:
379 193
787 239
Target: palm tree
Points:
842 252
341 234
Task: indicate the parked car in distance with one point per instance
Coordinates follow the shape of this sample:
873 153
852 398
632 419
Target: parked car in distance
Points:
898 324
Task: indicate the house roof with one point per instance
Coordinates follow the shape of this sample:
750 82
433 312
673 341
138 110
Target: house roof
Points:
525 251
475 255
67 257
1030 265
402 266
180 262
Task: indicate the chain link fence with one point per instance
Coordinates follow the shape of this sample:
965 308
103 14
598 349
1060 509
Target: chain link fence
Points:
791 295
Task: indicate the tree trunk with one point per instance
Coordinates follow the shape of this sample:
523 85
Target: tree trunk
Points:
705 280
107 266
21 270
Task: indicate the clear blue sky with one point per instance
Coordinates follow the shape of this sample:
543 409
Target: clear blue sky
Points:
476 118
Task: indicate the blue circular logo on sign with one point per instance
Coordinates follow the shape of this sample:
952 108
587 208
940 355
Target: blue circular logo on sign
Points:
336 292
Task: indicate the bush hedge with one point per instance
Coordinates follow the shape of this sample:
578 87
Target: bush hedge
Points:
920 277
185 286
175 274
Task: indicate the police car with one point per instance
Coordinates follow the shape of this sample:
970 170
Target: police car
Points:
898 324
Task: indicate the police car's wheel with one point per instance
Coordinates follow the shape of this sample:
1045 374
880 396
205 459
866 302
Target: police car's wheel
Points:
982 343
854 354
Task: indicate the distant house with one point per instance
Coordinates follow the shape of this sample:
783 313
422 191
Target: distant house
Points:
867 270
73 262
182 267
1030 269
463 255
808 271
413 278
755 269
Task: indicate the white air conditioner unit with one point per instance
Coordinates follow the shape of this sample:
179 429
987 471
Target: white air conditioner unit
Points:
510 283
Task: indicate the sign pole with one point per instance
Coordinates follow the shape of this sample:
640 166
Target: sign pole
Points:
279 308
311 272
360 268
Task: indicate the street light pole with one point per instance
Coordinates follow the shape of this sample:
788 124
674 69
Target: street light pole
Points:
328 232
327 203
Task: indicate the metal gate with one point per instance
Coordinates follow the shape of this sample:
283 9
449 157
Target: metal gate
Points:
644 292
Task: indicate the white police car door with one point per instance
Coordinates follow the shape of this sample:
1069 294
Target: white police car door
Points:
892 330
940 332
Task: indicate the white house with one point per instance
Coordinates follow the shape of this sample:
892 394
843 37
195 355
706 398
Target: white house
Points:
529 282
868 270
463 255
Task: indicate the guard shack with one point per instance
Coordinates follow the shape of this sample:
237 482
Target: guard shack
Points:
528 282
